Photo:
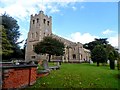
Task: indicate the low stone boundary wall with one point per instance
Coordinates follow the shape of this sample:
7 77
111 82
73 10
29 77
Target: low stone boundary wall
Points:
18 76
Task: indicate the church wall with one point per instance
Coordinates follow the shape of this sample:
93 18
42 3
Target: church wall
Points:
41 26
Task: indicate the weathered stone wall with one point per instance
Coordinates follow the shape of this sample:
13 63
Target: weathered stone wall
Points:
39 29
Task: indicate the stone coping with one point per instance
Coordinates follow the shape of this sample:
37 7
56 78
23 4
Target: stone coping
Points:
18 66
5 62
55 60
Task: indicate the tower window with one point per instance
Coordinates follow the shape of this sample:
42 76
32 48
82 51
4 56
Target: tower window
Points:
33 57
33 47
44 21
37 20
32 35
33 21
36 35
74 56
48 23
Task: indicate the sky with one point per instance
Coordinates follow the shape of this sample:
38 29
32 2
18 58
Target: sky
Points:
76 20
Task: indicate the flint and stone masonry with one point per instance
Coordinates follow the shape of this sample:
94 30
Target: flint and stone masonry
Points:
41 26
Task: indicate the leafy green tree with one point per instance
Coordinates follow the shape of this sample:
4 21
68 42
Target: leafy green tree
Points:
6 46
12 33
112 60
50 46
23 50
118 63
110 48
12 28
102 41
99 54
91 45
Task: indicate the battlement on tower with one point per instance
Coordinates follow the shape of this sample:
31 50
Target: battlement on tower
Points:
41 13
40 27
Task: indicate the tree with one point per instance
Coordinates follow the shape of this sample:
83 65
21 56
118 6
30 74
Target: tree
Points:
102 41
99 54
91 45
23 50
118 63
50 46
12 34
110 48
6 46
11 26
112 60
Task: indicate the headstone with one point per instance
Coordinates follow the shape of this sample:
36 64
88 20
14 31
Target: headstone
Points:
108 61
58 64
17 63
91 62
45 64
115 62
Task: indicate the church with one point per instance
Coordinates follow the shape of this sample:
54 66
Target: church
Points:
41 26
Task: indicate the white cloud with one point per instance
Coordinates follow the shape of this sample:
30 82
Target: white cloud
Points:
119 42
82 38
112 37
113 40
19 9
81 7
21 39
23 36
23 8
53 9
87 37
83 0
107 31
74 8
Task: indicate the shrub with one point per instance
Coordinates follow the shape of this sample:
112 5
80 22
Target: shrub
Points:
112 60
38 66
112 64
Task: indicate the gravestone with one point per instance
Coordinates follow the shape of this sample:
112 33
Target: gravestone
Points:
108 61
115 62
91 62
45 64
45 67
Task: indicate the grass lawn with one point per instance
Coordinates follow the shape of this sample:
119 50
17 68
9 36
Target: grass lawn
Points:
79 76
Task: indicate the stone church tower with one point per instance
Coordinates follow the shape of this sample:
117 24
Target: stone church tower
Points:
40 26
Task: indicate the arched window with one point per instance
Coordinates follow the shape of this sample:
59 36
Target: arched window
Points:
33 21
74 56
32 35
33 57
37 20
36 34
44 21
48 23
